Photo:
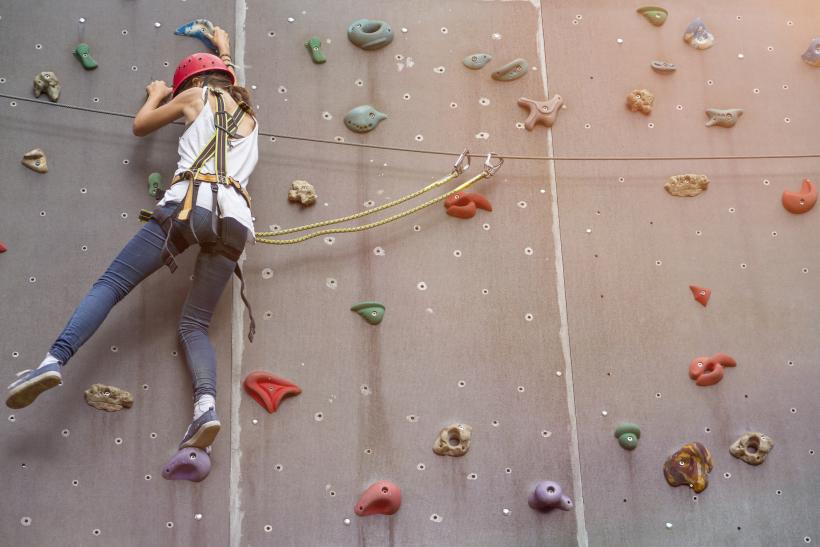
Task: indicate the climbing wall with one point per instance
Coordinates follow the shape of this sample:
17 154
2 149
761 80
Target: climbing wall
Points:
542 324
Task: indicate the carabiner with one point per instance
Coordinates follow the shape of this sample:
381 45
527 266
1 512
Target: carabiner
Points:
489 168
459 166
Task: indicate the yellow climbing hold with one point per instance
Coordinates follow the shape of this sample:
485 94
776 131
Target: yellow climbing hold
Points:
654 14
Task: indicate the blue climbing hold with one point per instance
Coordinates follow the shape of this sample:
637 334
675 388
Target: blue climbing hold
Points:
198 28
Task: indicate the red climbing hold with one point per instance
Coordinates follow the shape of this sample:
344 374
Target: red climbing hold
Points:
2 248
381 498
707 371
464 205
701 294
268 389
802 201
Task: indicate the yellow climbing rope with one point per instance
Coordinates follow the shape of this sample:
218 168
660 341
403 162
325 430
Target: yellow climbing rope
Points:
461 165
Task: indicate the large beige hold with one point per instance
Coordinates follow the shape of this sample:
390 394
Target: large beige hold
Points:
752 447
686 185
108 398
303 192
453 440
35 160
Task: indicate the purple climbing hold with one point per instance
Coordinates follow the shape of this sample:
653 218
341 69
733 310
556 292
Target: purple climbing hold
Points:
189 464
548 495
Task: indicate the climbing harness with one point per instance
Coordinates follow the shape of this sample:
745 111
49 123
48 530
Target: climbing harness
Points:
227 236
461 165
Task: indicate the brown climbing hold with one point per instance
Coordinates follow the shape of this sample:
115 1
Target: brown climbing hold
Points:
707 371
35 160
464 205
701 294
802 201
687 185
689 466
268 390
453 440
108 398
381 498
640 100
752 447
543 112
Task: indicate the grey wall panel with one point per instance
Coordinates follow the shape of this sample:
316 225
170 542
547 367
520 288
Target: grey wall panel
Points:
86 152
634 325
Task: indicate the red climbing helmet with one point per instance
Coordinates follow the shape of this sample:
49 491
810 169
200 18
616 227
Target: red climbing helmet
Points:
197 64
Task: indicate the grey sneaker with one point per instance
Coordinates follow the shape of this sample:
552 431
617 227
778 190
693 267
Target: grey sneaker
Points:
31 383
202 431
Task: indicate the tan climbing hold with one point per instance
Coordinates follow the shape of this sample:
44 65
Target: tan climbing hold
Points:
302 192
48 82
453 440
35 160
686 185
640 100
752 447
108 398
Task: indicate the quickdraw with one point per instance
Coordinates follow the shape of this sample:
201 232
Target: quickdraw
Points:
461 165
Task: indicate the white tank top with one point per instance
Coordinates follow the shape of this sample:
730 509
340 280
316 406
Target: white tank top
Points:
242 157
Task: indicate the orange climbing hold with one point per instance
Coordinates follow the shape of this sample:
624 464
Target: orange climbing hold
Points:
464 205
381 498
802 201
701 294
707 371
268 390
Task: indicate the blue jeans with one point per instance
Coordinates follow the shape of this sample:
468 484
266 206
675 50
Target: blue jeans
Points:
138 259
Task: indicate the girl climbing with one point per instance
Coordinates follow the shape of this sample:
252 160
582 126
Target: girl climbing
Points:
218 147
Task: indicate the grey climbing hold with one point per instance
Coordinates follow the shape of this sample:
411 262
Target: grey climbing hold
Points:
108 398
752 447
812 53
698 36
35 160
663 67
372 312
724 117
477 60
453 440
369 33
154 184
301 191
363 118
512 70
48 82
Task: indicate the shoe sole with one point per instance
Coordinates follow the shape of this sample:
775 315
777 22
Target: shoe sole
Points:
204 436
24 394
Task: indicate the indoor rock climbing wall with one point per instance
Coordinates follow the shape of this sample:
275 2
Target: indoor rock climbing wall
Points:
542 336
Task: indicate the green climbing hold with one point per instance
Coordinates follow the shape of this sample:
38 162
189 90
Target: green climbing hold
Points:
82 52
628 434
512 70
154 184
654 14
476 61
373 312
314 46
363 118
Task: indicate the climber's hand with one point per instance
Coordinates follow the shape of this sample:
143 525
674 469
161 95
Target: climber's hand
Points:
159 89
221 40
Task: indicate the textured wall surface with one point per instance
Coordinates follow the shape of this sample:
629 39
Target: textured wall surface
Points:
541 324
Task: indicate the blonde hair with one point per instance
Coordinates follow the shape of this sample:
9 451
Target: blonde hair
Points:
217 78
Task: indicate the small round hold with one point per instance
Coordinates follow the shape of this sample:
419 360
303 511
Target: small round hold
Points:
668 525
620 40
82 19
198 516
604 413
740 56
346 522
291 20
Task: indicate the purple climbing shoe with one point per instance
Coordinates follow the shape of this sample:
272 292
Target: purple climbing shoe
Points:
31 383
202 431
189 464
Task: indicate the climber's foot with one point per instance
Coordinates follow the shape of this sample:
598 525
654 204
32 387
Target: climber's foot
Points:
31 383
202 431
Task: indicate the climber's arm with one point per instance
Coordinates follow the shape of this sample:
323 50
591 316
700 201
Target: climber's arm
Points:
152 116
